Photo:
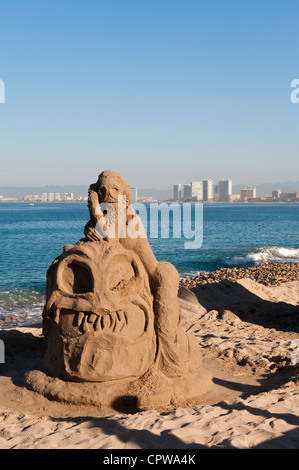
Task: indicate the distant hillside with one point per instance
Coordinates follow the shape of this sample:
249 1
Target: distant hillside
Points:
158 194
267 188
82 190
19 192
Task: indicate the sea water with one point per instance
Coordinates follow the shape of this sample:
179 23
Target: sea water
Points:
233 235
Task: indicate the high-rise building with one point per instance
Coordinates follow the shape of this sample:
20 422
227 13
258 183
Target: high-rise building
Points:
197 190
276 194
57 196
216 192
225 189
187 191
50 197
134 195
193 191
289 196
68 196
177 192
248 193
44 197
207 190
31 197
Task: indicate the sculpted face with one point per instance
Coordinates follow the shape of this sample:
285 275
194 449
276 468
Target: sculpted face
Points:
111 185
100 314
112 316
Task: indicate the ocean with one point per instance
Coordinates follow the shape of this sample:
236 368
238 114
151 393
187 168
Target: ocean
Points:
233 235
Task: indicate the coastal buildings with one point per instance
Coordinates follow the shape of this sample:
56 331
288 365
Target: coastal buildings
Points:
289 196
68 196
177 192
31 197
134 195
208 190
187 193
276 194
196 191
248 193
203 191
222 191
193 191
43 197
8 199
225 189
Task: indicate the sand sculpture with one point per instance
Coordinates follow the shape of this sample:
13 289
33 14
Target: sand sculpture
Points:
112 317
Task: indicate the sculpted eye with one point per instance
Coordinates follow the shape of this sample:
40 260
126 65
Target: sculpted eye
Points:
78 278
121 276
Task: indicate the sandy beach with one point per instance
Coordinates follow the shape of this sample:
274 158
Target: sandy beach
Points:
247 331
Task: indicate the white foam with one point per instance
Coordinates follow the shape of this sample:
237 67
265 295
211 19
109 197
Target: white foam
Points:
266 254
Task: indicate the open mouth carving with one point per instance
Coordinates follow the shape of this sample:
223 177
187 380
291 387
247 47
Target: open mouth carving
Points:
99 317
87 322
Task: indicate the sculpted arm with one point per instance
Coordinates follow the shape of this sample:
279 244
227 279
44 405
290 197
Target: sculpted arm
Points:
93 202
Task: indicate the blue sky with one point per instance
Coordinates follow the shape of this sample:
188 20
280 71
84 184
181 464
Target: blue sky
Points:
163 91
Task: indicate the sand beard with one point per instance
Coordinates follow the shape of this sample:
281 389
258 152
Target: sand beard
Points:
119 221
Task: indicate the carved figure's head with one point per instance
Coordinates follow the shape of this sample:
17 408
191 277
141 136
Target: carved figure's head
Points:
98 317
112 184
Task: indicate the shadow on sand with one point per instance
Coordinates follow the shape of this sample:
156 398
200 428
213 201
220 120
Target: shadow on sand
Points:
249 307
225 295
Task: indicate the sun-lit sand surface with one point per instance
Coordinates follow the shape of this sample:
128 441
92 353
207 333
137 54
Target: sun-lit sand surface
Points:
247 331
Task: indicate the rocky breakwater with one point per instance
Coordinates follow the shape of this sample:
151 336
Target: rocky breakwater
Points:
268 274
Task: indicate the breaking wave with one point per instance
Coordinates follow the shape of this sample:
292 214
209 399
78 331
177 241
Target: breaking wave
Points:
272 254
20 307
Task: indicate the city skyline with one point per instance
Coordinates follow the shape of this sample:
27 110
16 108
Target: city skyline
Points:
149 91
196 191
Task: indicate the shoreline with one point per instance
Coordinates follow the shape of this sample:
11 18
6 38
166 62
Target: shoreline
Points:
167 201
268 274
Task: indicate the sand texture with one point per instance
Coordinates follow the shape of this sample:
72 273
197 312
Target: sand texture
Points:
247 332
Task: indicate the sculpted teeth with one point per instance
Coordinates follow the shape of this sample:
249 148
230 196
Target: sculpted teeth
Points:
80 318
109 322
92 318
97 324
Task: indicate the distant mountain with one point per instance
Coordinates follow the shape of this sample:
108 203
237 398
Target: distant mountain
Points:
266 189
19 192
78 190
158 194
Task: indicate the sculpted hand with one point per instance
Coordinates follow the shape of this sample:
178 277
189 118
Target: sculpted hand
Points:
91 234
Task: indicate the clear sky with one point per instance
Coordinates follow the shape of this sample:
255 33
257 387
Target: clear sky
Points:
164 91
